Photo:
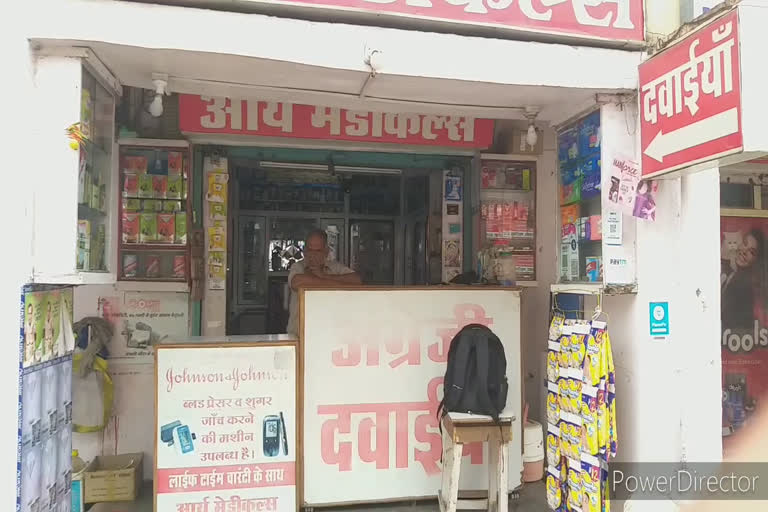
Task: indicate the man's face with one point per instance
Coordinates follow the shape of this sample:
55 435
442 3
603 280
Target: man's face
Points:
315 253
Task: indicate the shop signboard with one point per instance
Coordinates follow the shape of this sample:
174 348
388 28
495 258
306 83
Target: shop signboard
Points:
225 432
690 99
373 382
620 20
219 115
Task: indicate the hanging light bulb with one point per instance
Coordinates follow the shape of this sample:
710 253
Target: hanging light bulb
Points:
161 83
532 137
156 107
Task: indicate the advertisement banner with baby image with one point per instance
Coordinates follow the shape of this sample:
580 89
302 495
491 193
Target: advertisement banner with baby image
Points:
744 315
47 332
627 192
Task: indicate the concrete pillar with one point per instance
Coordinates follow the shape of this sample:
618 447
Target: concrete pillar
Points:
668 390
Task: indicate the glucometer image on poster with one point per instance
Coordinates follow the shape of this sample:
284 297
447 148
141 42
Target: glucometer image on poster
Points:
274 438
178 436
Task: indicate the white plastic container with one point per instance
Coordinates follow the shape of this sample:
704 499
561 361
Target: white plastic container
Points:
533 452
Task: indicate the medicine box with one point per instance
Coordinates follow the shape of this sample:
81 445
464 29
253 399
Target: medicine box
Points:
113 478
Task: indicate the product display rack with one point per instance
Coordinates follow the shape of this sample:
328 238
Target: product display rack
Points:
507 219
155 210
579 179
94 175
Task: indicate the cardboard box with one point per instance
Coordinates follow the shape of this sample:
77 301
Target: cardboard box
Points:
113 478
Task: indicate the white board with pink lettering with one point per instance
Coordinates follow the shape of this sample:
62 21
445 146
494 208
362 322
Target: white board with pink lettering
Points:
374 362
226 428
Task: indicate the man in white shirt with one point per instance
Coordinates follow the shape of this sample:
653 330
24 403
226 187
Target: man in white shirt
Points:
316 271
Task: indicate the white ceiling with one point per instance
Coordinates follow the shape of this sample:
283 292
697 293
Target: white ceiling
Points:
233 75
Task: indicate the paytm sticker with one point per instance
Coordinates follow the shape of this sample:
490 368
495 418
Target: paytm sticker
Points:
659 318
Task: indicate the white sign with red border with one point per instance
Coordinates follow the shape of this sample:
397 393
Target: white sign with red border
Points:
374 364
226 428
690 99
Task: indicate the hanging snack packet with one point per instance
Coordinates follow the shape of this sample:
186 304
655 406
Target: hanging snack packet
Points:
575 494
578 350
593 356
603 432
605 495
554 494
574 395
553 366
556 326
565 444
565 351
589 436
553 408
562 386
590 485
576 442
553 448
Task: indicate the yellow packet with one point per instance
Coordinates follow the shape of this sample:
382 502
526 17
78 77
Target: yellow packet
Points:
553 449
575 495
554 493
576 442
565 352
578 350
553 366
590 484
562 385
589 437
565 444
553 408
603 433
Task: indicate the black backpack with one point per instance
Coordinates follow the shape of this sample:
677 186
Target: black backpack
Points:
476 377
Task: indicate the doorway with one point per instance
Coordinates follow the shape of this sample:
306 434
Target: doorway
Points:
375 219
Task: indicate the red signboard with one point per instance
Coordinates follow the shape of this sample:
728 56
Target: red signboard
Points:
595 19
200 114
690 99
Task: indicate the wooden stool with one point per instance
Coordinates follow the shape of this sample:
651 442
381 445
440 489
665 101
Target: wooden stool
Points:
460 429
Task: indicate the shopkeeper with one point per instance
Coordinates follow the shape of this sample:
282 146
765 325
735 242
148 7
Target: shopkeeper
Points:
315 271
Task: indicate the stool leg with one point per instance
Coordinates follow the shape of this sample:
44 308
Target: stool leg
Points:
446 471
493 475
503 465
449 493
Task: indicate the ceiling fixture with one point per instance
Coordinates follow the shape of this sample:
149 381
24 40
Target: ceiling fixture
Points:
532 137
161 88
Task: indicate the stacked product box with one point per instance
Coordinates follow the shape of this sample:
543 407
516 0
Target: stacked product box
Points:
154 213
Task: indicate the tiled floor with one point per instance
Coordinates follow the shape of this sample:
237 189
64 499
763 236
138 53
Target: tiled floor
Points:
531 499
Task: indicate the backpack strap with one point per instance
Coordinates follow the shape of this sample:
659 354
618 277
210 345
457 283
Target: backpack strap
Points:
482 358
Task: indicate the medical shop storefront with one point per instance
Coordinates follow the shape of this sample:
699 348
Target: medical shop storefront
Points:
422 166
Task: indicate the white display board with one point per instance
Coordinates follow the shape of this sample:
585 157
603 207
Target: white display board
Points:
226 430
374 363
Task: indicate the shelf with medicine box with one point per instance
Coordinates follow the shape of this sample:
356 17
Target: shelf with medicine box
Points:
155 211
507 221
580 160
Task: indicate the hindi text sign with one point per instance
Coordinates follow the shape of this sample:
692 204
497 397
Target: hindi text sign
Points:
373 382
690 99
218 115
226 428
620 20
